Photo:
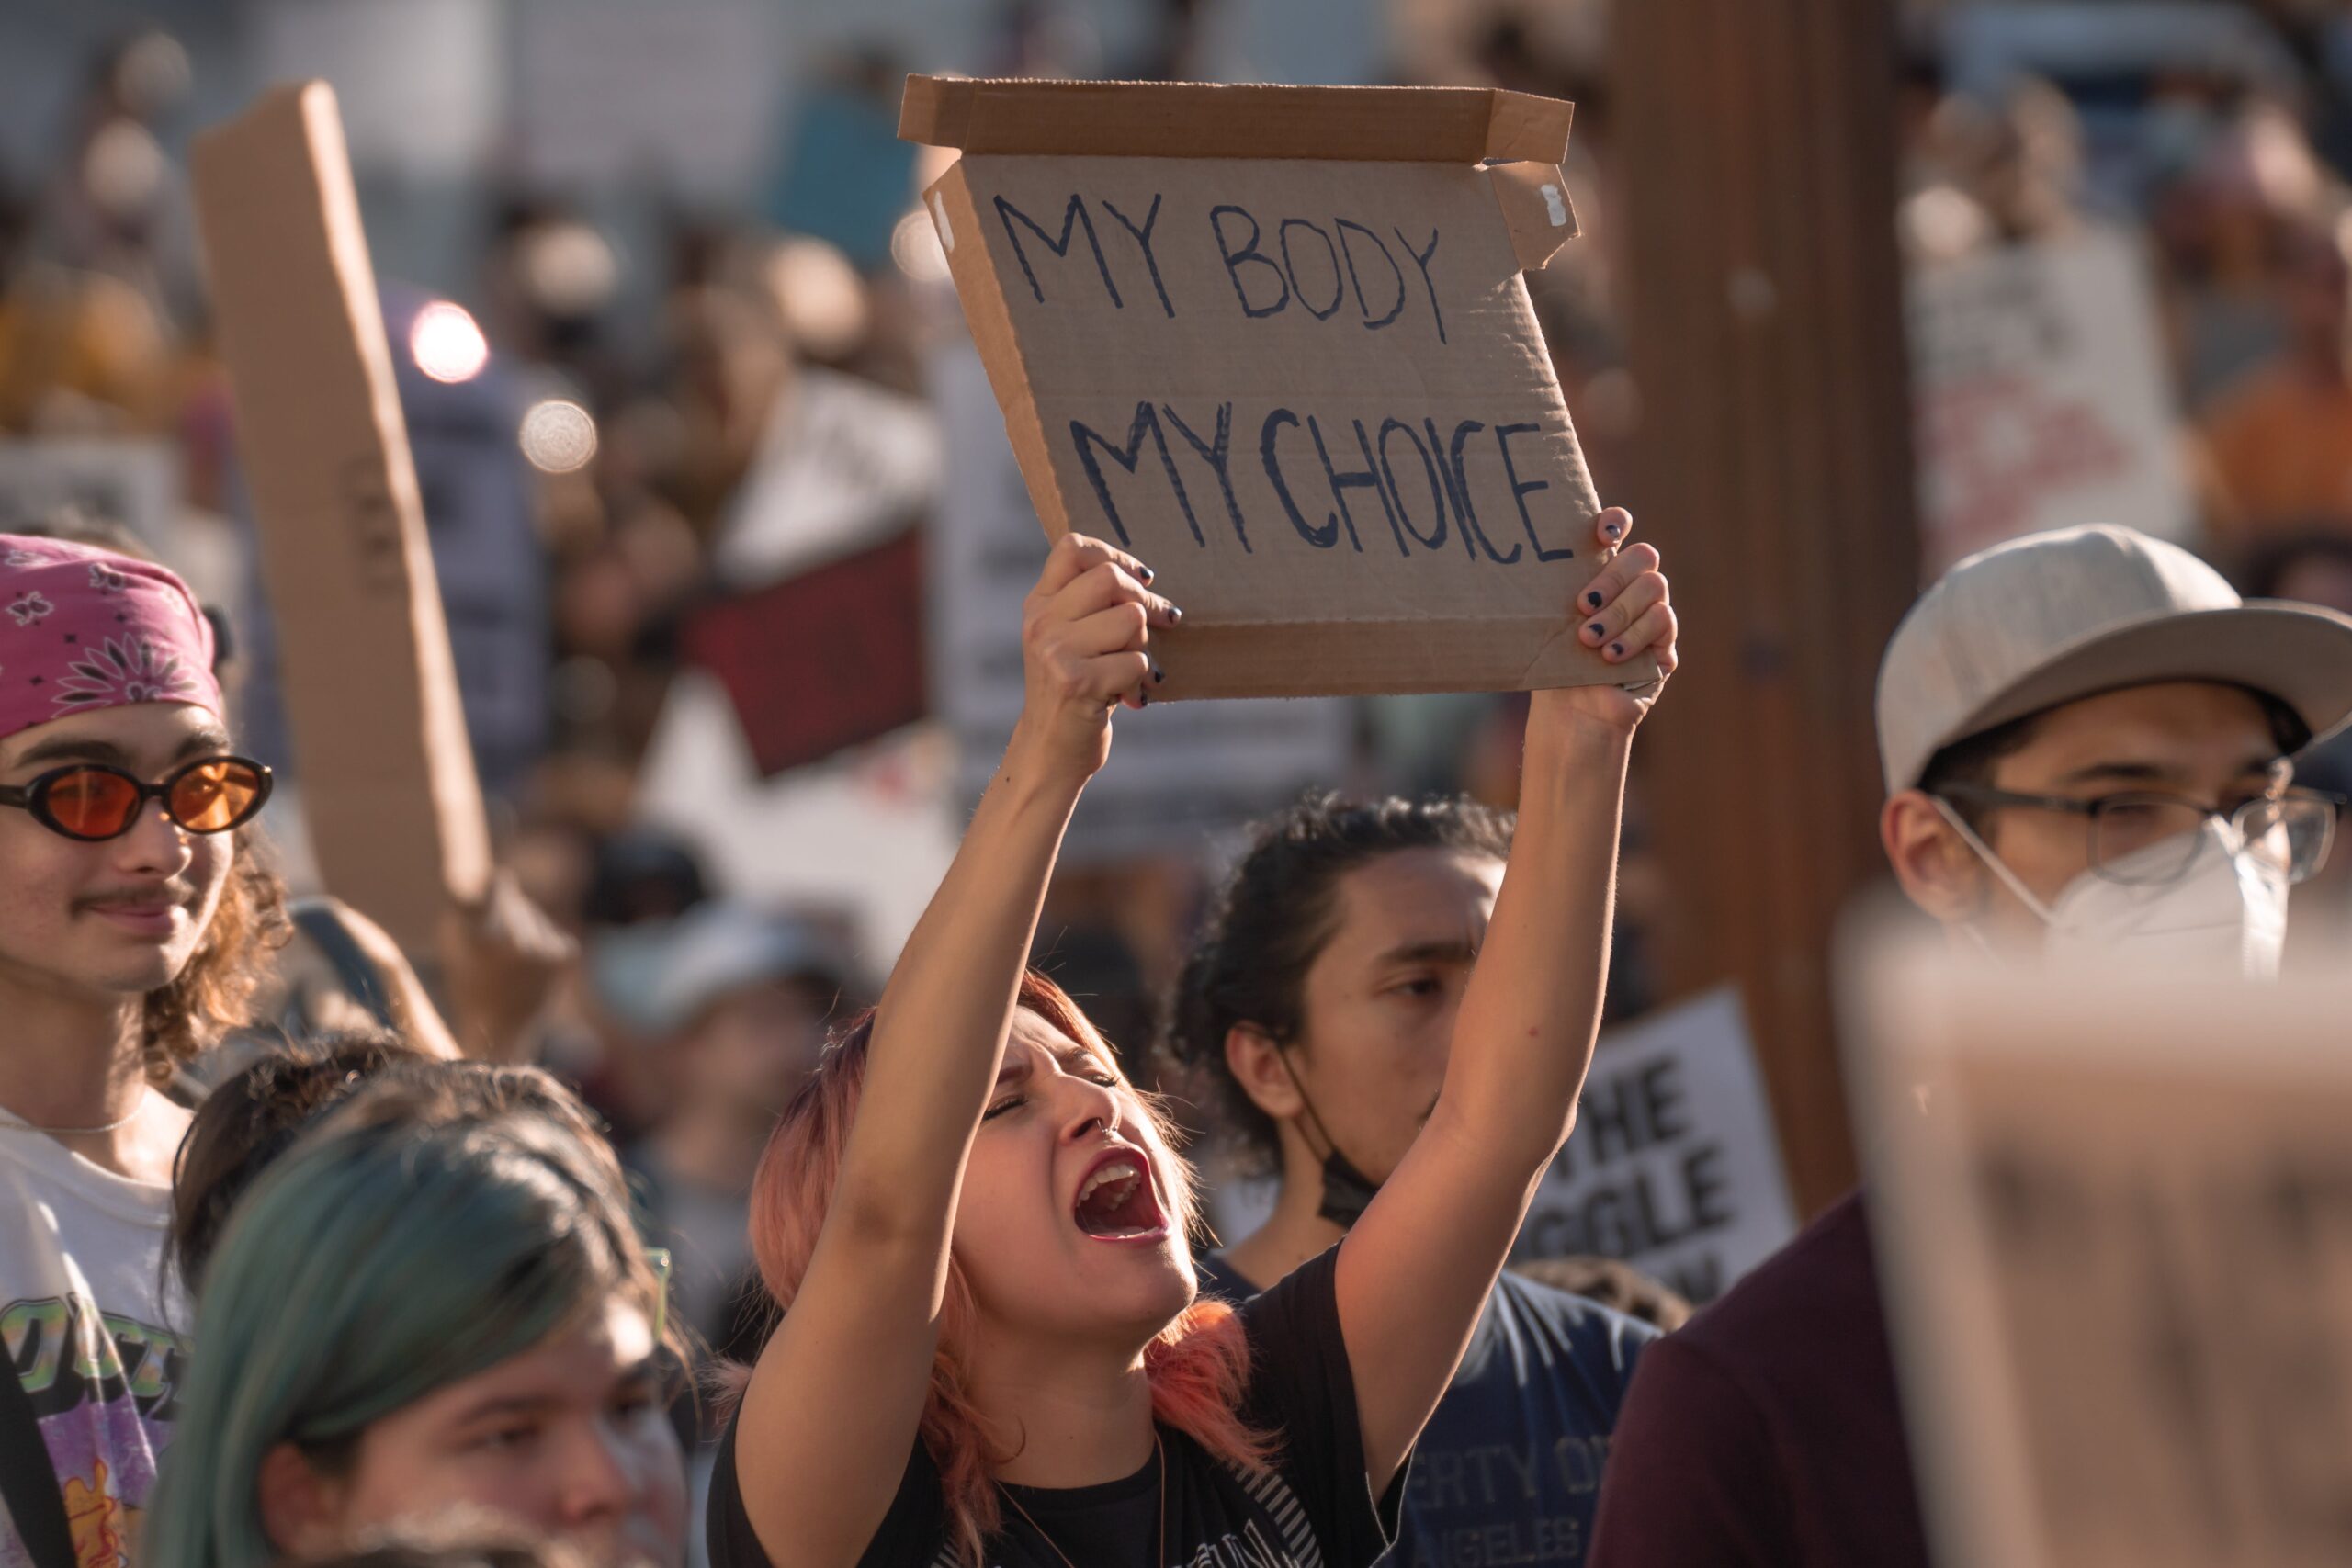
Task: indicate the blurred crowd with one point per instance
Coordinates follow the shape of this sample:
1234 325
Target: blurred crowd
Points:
582 457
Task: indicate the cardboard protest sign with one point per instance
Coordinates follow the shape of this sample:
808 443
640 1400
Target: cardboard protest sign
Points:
1674 1166
371 690
2043 399
1275 341
2115 1218
1178 775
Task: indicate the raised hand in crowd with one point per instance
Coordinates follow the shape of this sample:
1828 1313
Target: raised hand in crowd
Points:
991 1350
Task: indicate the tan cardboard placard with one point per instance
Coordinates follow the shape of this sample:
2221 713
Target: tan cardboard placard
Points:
2115 1217
387 774
1276 341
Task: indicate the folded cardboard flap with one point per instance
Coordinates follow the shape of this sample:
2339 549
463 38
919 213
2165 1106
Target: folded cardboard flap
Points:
1536 208
1199 120
395 810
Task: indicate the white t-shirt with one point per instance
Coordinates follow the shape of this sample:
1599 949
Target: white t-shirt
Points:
84 1321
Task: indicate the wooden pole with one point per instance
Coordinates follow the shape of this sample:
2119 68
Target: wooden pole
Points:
1773 464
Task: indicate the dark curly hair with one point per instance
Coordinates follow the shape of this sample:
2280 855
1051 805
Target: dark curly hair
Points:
210 994
1271 921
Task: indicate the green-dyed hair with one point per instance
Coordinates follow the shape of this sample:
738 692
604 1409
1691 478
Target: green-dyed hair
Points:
370 1266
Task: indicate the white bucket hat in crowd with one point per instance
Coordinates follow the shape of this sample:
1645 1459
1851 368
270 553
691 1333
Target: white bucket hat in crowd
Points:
2053 618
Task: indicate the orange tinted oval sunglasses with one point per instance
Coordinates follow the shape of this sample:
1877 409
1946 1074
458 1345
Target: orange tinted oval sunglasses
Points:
93 802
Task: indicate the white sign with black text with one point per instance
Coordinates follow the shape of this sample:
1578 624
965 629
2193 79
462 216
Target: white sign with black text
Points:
1674 1166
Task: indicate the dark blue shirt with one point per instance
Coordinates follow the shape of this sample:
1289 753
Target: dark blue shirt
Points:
1508 1469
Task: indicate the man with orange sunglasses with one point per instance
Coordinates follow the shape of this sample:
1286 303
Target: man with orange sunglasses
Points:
129 926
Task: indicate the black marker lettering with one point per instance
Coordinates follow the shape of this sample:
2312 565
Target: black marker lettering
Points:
1249 252
1521 490
1143 238
1073 214
1458 483
1428 469
1218 455
1399 273
1363 478
1421 259
1339 284
1322 538
1130 458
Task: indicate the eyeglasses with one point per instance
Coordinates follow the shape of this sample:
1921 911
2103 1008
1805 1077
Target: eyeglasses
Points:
2147 840
92 802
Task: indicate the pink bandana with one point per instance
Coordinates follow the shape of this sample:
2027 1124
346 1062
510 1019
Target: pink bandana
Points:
82 629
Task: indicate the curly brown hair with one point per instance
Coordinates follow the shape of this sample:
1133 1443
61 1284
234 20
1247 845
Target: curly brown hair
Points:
210 995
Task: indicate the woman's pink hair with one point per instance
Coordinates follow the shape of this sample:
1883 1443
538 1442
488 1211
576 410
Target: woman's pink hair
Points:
1198 1365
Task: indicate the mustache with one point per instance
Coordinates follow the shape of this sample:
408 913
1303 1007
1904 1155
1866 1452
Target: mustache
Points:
174 892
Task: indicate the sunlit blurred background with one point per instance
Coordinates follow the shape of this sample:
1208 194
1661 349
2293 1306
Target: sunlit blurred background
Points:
673 334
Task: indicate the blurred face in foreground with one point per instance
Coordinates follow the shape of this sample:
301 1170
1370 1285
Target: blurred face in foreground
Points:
1070 1218
570 1440
115 919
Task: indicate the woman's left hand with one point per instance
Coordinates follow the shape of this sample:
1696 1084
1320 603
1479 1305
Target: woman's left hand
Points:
1623 613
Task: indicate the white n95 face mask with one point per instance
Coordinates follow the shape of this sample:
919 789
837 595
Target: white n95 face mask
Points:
2226 914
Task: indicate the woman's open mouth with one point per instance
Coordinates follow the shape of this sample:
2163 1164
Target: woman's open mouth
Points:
1116 1200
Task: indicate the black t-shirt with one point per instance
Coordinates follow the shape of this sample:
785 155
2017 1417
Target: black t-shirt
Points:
1508 1470
1313 1509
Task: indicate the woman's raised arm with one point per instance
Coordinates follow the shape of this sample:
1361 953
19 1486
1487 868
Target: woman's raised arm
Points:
1416 1269
829 1417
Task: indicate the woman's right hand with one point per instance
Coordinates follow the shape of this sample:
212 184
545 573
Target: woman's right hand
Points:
1085 639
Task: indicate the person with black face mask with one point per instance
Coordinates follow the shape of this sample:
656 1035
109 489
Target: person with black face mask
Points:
2091 746
1317 1012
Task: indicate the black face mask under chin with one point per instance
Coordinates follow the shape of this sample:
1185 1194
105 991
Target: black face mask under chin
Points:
1347 1192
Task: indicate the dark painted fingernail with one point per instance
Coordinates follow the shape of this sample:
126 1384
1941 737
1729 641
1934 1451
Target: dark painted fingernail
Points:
1158 673
1149 574
1594 631
1174 615
1143 699
1592 601
1618 649
1612 529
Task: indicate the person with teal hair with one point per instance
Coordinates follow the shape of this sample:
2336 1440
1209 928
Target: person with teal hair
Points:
415 1317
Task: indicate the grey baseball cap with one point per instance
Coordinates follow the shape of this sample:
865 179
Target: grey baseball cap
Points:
2052 617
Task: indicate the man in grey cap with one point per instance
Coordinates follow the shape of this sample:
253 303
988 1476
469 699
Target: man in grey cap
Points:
2088 742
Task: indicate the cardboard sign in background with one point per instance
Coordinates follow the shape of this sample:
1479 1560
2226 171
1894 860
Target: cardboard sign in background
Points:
395 808
2115 1213
1309 391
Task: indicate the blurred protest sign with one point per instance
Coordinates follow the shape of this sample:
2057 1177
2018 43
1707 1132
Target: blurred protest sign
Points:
1178 775
819 637
1296 369
131 481
869 832
2042 398
843 465
1674 1166
371 692
2115 1215
821 660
